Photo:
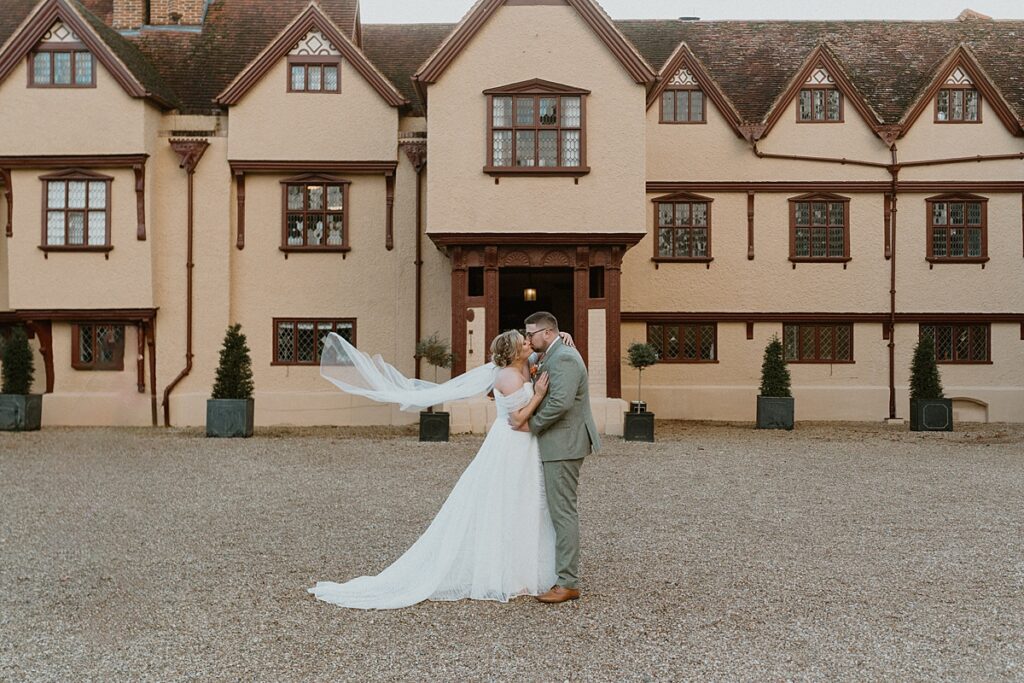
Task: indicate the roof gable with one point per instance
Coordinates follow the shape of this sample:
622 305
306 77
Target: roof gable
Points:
117 55
820 68
631 60
684 60
309 20
961 67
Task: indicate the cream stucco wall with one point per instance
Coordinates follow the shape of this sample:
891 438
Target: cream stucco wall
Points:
520 43
928 140
100 120
271 123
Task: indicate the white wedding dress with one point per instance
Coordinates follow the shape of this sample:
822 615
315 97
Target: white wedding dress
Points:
492 539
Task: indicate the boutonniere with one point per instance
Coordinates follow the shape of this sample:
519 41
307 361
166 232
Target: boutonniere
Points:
533 372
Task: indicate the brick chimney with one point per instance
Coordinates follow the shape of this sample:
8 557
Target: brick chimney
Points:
129 13
171 12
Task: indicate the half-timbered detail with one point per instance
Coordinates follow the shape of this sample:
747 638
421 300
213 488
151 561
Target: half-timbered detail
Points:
618 173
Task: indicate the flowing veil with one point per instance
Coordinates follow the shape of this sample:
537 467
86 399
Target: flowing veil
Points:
356 372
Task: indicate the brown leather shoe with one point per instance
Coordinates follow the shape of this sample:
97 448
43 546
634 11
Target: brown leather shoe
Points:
559 594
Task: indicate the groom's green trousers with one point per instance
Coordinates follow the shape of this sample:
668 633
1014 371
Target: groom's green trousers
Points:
560 480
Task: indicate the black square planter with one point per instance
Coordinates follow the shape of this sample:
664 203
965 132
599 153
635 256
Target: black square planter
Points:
931 414
775 412
434 426
229 417
21 412
638 427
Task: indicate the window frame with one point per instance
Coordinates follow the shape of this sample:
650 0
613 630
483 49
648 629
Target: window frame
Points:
52 48
305 181
811 88
930 228
307 61
675 90
334 322
953 327
536 89
949 89
681 325
116 365
817 343
75 175
826 198
681 198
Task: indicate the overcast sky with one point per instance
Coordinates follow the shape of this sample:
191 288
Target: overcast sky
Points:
417 11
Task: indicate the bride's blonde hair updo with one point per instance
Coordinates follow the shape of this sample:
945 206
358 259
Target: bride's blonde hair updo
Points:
505 348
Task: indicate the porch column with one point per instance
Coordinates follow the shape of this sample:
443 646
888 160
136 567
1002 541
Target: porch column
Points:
613 324
491 293
460 285
581 296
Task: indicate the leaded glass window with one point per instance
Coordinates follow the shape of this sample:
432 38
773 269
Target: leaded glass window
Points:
684 342
958 343
536 131
684 230
818 342
77 212
301 341
314 214
820 229
956 229
683 106
62 69
958 105
97 346
821 105
317 78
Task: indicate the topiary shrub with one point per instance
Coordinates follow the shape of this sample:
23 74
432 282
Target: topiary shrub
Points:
774 372
234 374
18 366
436 352
925 381
640 355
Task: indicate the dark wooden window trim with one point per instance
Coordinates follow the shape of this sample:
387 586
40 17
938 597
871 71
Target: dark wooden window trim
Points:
324 181
826 199
319 323
956 199
536 89
116 365
811 88
72 49
948 89
305 62
75 175
674 90
953 329
697 325
681 198
817 360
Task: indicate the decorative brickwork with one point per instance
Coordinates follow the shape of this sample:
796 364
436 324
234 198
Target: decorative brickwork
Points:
129 13
169 12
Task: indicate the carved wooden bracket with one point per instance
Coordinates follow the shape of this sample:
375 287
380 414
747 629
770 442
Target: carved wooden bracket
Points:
5 174
140 200
389 229
750 226
887 224
240 195
43 331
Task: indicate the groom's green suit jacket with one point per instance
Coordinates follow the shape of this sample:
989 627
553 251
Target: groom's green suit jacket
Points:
563 423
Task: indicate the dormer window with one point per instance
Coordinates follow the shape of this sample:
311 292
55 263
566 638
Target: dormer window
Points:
314 65
536 127
820 99
683 100
61 60
958 101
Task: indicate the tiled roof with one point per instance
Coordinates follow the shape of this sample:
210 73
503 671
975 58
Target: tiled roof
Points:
398 50
890 63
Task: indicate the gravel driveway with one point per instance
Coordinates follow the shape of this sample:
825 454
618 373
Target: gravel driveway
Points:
847 551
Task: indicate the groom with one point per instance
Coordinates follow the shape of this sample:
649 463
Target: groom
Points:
566 434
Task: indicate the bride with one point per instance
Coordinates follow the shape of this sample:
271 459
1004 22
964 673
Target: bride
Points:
493 538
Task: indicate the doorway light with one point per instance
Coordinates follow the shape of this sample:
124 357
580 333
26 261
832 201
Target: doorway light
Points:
529 294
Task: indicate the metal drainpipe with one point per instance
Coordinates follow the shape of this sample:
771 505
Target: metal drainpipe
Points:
895 171
190 152
419 260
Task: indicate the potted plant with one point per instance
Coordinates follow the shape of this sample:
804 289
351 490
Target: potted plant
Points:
930 411
434 425
19 410
775 402
229 411
639 424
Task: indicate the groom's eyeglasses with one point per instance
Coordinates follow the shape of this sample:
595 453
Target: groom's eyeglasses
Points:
529 335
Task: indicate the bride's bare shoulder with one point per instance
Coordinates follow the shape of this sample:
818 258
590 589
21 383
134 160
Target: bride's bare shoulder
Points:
508 380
